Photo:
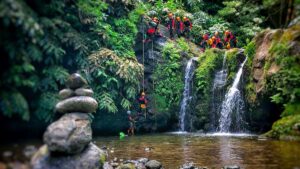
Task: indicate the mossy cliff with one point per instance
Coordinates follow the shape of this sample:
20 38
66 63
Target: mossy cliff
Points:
273 82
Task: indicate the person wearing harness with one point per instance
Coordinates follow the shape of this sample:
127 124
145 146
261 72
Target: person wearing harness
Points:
171 25
152 31
230 39
204 43
143 104
131 128
187 27
179 27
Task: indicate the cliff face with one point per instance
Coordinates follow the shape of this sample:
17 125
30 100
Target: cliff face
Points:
273 77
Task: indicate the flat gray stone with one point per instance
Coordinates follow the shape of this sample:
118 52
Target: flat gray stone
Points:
84 92
82 104
66 93
153 164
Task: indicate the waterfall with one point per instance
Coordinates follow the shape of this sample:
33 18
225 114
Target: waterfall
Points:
188 77
233 106
218 93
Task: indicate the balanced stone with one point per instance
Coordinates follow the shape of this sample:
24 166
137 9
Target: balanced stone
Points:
66 93
82 104
70 134
91 158
153 164
84 92
76 81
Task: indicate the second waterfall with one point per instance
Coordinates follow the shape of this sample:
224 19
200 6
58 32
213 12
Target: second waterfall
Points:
188 79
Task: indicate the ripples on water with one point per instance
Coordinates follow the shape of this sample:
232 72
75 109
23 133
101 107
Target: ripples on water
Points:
212 150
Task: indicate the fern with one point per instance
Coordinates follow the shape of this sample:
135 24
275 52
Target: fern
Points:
107 103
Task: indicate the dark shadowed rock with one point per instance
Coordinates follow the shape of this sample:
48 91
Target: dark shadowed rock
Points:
91 158
82 104
153 164
75 81
66 93
84 92
70 134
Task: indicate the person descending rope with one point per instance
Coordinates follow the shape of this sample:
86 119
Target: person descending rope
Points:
179 27
152 30
131 120
187 27
205 42
230 39
171 25
143 104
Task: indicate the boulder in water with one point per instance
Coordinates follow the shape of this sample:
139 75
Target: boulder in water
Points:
83 104
126 166
153 164
70 134
84 92
91 158
66 93
76 81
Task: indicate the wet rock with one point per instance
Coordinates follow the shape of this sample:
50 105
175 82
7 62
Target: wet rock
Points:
296 127
84 92
70 134
29 151
143 160
231 167
91 158
126 166
153 164
114 164
66 93
107 166
76 81
83 104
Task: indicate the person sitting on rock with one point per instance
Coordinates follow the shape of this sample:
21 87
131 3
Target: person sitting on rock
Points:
143 104
171 25
179 27
230 39
187 27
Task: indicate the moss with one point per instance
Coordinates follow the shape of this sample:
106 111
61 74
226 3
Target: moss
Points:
102 159
284 127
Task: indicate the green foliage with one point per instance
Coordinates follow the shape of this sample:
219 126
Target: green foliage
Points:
183 45
45 106
169 84
112 75
284 126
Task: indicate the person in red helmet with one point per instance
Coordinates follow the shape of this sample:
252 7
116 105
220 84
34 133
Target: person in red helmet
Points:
171 25
143 104
218 43
187 27
179 27
204 42
230 39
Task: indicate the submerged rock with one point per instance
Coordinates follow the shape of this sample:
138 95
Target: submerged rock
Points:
66 93
231 167
70 134
83 104
84 92
76 81
153 164
91 158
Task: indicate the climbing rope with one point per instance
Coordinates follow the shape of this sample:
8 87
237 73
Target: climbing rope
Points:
143 53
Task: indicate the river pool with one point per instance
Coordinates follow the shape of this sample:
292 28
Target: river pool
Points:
212 150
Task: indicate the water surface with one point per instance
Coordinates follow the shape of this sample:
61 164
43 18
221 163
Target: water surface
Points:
211 150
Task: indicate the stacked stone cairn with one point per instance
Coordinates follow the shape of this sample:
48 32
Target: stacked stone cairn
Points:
68 140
